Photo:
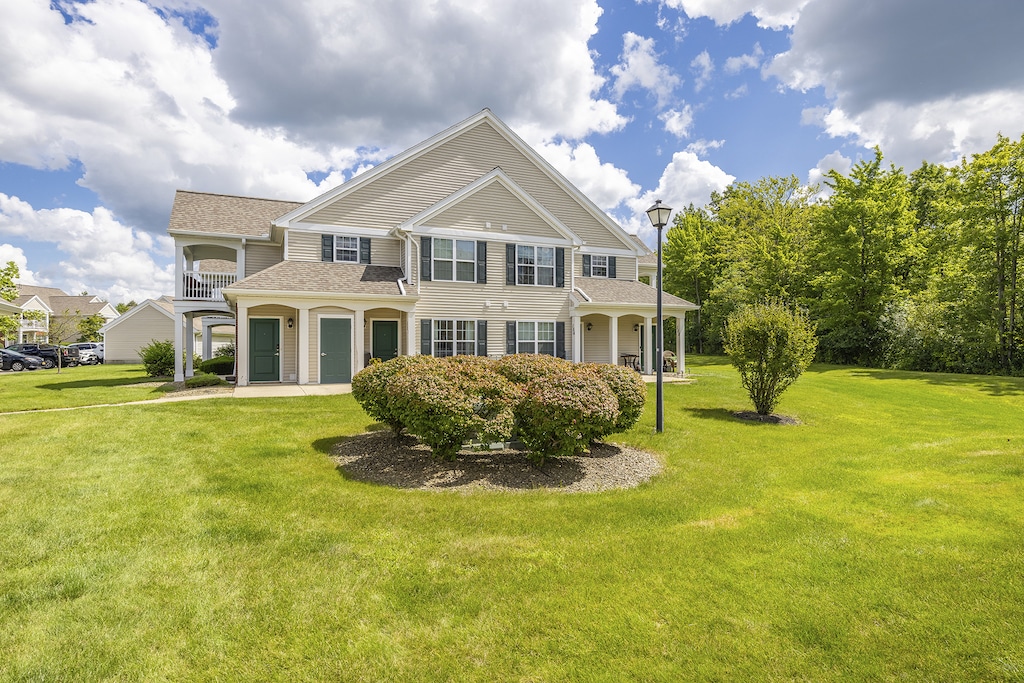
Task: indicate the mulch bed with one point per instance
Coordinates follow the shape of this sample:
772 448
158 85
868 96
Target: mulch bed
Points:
774 419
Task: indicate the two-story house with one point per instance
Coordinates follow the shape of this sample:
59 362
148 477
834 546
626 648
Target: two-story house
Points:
468 243
55 314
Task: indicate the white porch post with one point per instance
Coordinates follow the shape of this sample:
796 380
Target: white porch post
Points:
681 343
179 267
648 346
179 346
360 334
613 339
207 340
240 261
410 334
577 332
303 349
190 344
242 347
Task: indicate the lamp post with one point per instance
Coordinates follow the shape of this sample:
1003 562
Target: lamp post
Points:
659 214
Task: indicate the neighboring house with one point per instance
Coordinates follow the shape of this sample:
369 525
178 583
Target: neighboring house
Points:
153 320
468 243
7 308
60 311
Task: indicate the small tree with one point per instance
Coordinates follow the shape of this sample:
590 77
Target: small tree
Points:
89 328
771 346
158 358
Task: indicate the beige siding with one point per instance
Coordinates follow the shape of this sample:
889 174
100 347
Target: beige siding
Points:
597 341
303 246
289 338
123 342
385 251
625 267
260 257
496 205
431 177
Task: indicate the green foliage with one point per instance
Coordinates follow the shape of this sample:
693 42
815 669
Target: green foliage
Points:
370 389
124 307
227 350
220 365
561 414
158 358
521 368
770 345
630 391
204 380
8 288
89 328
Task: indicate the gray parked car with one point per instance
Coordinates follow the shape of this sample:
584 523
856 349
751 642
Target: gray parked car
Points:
90 353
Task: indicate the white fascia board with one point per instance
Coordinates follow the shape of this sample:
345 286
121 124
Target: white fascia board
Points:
148 303
481 236
595 307
602 251
322 228
7 307
218 235
291 295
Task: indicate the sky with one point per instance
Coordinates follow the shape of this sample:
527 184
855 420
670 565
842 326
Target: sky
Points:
109 106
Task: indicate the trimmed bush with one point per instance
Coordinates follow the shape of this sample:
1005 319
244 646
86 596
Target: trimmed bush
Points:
629 389
562 413
158 358
204 380
521 368
370 389
221 365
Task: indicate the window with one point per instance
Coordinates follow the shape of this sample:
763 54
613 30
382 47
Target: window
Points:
535 337
346 249
454 260
599 266
535 266
454 337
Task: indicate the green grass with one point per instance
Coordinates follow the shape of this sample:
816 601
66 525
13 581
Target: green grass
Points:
82 385
881 539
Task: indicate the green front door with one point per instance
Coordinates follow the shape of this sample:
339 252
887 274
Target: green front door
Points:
335 350
385 339
264 350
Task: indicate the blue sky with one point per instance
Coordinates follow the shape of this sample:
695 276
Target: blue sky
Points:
108 106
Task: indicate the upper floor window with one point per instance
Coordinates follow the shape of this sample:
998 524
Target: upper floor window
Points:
535 266
454 260
599 266
343 249
346 249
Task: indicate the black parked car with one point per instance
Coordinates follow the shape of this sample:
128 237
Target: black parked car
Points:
49 353
12 360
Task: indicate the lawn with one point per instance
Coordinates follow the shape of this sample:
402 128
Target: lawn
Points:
881 539
78 386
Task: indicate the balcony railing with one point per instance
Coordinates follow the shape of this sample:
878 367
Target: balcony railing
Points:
205 286
33 325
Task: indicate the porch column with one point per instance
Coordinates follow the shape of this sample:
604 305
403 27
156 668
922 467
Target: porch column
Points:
410 334
648 346
613 339
681 343
240 261
360 334
207 341
179 346
190 344
179 268
242 345
577 333
303 349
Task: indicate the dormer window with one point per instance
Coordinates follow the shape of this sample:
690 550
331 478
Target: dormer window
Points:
346 249
598 266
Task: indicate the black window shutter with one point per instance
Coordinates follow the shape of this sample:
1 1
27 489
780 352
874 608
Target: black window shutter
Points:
510 336
510 264
586 265
559 267
425 258
611 266
364 249
481 337
326 247
426 337
481 262
560 339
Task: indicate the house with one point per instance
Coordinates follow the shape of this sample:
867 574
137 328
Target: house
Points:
56 313
153 319
7 308
467 243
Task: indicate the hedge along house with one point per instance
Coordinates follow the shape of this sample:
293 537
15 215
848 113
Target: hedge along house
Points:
468 243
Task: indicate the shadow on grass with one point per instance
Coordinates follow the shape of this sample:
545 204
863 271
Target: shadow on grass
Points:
990 384
379 457
86 383
746 418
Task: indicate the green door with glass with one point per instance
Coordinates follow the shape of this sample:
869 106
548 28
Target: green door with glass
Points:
264 350
335 350
384 344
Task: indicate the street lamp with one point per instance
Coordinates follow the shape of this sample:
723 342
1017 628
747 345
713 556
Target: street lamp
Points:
659 214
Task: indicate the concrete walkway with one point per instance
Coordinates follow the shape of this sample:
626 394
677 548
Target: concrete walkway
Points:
279 390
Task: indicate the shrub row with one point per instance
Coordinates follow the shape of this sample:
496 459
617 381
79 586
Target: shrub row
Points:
553 406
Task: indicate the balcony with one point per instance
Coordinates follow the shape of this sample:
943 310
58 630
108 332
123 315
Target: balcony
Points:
33 325
201 286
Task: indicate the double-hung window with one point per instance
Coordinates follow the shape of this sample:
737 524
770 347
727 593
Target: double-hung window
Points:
535 266
346 249
454 337
599 266
454 260
535 337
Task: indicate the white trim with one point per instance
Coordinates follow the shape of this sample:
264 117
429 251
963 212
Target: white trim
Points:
219 236
351 342
148 303
605 251
483 236
280 346
345 230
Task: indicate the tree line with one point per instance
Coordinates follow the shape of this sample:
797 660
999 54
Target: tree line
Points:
916 272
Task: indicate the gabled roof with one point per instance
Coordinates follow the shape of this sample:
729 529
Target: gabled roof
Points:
81 305
613 292
497 176
202 212
413 153
8 308
44 293
25 299
162 305
322 278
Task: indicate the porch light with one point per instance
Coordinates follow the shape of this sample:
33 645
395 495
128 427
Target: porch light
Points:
291 323
590 326
659 214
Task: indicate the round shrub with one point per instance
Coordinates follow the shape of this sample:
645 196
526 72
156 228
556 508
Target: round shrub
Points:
204 380
521 368
562 413
219 365
370 388
158 358
630 390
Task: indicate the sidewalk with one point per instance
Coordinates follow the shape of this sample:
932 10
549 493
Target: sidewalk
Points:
278 390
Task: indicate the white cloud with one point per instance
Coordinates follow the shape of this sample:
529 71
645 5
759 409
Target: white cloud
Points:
8 253
678 123
99 254
739 92
605 184
701 147
830 162
638 67
734 65
773 14
703 67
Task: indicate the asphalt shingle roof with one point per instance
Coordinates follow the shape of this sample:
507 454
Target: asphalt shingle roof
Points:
611 291
324 277
227 214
